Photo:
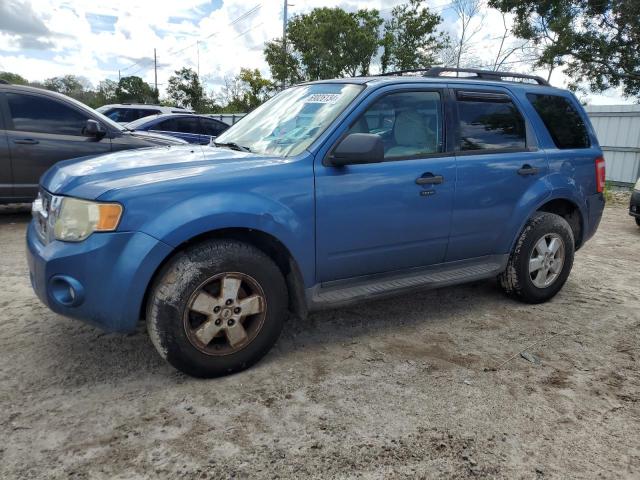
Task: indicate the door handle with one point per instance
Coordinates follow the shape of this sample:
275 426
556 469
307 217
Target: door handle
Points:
430 179
528 170
26 141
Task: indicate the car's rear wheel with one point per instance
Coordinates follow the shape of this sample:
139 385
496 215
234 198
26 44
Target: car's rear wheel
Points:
638 221
216 308
541 260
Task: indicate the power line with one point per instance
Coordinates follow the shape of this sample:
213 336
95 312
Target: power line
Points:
148 62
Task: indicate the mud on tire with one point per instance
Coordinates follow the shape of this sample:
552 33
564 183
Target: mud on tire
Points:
181 295
516 280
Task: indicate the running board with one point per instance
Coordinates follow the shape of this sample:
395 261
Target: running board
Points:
341 292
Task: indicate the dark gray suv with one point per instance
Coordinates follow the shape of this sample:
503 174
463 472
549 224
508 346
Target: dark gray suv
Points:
39 128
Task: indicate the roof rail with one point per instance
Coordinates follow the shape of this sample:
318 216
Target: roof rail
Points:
479 74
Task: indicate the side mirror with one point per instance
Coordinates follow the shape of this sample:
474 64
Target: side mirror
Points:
93 129
357 148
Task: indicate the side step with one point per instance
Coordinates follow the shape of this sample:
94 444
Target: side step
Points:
341 292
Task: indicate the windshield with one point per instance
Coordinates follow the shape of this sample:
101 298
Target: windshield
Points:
292 120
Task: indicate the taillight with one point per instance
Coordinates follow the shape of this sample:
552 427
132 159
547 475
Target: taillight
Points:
600 174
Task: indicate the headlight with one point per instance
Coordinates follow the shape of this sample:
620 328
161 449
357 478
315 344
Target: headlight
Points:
77 219
637 187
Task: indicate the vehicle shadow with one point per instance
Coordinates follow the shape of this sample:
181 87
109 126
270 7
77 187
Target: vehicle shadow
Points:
15 213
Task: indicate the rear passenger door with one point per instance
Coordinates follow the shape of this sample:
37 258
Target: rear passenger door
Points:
42 131
498 161
6 181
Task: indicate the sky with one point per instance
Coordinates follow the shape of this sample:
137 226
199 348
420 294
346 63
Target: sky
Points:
44 38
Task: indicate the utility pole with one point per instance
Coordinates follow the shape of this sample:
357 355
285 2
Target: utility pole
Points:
118 75
284 39
155 69
198 54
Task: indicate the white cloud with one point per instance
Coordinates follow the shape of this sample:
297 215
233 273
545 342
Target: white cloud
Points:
128 31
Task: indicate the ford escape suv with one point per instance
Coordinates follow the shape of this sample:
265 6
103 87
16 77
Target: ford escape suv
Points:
329 193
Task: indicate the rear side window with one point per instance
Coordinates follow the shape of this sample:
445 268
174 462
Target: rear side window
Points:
188 125
564 123
213 127
168 125
489 121
32 113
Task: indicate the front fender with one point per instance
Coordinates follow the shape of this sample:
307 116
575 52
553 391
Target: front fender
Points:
202 214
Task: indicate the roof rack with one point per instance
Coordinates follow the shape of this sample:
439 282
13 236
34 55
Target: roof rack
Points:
479 74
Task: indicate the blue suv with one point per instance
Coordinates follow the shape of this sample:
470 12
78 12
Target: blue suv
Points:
330 193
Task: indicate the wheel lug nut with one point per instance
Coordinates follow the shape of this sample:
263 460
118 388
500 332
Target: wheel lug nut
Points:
236 310
218 322
231 322
216 309
228 302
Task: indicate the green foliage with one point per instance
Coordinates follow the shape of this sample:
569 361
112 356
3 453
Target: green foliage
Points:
245 91
133 89
13 78
411 39
325 43
186 90
597 41
330 42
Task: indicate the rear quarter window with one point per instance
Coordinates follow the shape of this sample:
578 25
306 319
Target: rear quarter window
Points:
564 123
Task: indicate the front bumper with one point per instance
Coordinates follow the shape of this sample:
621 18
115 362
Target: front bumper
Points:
101 280
634 204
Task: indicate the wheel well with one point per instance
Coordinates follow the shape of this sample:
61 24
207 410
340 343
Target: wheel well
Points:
268 244
570 212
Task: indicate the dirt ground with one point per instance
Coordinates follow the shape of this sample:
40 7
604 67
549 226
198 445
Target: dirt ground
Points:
421 386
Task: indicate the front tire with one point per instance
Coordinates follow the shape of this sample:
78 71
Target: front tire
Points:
216 308
541 260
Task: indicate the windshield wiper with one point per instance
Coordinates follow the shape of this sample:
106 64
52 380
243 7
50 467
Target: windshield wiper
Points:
232 146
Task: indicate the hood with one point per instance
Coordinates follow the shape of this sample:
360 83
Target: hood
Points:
155 138
91 177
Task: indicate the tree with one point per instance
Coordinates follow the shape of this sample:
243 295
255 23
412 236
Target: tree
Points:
325 43
13 78
597 41
410 39
106 92
68 84
135 90
246 91
186 90
467 12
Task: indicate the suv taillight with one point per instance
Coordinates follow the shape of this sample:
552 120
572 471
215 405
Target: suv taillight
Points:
600 174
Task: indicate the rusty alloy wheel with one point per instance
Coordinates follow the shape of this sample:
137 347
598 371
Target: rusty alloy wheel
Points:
225 313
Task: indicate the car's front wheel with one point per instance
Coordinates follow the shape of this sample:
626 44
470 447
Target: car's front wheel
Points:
541 260
216 308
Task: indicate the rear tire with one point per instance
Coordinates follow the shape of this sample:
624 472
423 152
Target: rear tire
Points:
541 260
638 221
216 308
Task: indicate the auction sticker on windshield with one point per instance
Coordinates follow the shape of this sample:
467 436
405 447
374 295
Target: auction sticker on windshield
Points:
322 98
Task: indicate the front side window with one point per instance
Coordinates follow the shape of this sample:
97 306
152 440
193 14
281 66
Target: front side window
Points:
289 122
213 127
409 123
564 123
168 125
490 122
32 113
188 125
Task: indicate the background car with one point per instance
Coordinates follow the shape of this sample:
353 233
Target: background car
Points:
198 129
634 203
128 112
39 128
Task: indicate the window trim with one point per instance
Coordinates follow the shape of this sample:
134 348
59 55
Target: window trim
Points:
444 115
531 144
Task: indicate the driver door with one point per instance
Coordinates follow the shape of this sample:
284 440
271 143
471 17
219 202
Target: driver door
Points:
379 217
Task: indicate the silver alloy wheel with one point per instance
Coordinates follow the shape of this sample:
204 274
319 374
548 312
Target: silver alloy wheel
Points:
547 260
225 313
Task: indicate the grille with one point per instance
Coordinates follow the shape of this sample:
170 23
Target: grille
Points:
41 212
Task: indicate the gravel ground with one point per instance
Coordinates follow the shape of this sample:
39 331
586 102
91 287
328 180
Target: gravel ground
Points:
420 386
